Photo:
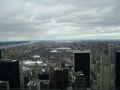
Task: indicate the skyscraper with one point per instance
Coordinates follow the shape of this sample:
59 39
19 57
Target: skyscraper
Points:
82 63
0 54
65 73
10 70
59 79
117 73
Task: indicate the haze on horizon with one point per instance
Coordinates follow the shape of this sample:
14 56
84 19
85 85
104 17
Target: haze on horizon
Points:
59 19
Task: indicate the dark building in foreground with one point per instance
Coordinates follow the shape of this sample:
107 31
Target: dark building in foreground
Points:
66 78
59 81
82 63
0 54
10 70
117 73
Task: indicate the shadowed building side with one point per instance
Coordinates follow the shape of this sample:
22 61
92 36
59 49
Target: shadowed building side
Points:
10 70
82 63
0 54
117 79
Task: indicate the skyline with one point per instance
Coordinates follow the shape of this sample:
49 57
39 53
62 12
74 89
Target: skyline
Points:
59 20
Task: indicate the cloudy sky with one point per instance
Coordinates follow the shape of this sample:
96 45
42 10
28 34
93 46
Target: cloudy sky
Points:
59 19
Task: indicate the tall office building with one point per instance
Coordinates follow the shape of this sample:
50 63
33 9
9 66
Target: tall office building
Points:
82 63
65 73
114 65
59 79
0 54
117 72
105 76
10 70
112 50
114 53
51 76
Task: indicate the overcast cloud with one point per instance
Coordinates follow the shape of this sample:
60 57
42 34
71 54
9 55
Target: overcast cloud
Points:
59 19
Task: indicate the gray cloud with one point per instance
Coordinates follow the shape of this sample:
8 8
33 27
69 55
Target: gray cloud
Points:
59 19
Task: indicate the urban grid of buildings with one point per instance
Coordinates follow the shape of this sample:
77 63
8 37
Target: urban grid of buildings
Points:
51 65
